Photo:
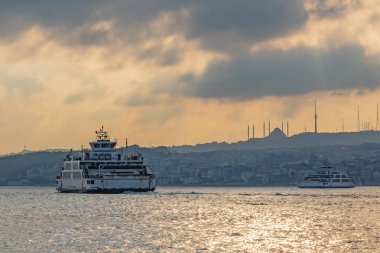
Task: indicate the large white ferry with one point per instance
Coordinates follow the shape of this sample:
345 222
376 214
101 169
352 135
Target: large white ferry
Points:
326 178
104 169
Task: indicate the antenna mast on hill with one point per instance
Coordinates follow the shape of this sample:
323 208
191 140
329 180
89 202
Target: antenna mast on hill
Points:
315 116
282 126
253 131
248 132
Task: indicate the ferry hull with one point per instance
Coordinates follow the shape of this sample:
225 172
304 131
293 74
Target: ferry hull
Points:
325 185
106 186
104 191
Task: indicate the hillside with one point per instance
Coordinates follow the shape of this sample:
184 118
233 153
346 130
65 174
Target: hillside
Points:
271 166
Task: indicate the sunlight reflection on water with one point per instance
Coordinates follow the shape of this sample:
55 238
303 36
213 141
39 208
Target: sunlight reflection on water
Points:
191 220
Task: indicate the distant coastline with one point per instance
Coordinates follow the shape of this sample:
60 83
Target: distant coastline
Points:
214 167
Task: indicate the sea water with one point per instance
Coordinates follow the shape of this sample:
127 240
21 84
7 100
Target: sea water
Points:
191 219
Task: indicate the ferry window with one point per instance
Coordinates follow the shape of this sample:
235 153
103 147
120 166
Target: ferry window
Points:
77 174
104 145
66 175
96 145
88 181
75 166
68 166
92 181
345 180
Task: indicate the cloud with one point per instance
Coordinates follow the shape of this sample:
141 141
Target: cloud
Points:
220 25
75 98
228 25
332 9
160 115
285 73
136 100
15 81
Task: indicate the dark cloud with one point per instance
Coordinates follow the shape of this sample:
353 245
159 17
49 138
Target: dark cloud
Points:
163 56
70 21
18 15
221 25
328 9
234 25
284 73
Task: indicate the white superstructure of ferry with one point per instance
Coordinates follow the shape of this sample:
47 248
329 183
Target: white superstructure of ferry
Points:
105 169
326 178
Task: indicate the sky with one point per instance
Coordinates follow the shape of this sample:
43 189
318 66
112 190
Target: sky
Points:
174 72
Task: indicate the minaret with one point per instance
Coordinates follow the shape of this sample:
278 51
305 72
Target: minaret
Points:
358 123
377 117
315 116
282 126
253 131
248 132
287 128
269 128
264 129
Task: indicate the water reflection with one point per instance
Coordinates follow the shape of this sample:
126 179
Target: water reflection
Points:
191 220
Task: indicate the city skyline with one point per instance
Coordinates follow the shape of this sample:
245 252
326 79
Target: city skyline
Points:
175 73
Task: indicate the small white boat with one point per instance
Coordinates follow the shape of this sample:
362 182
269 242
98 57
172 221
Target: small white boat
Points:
326 178
105 169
